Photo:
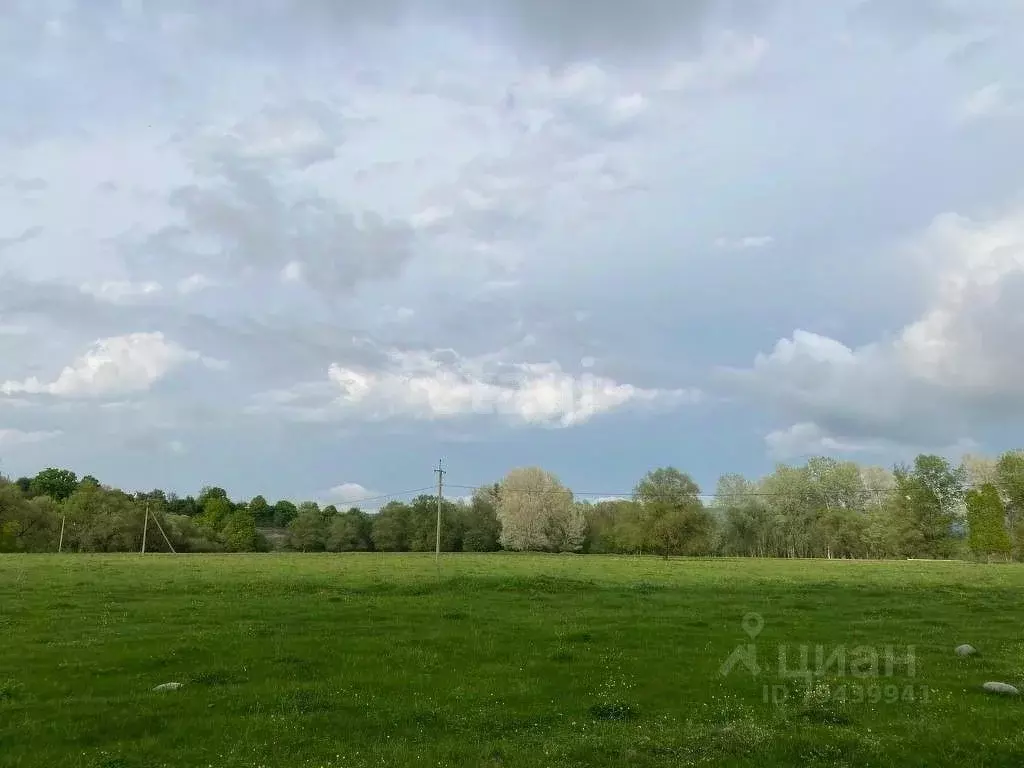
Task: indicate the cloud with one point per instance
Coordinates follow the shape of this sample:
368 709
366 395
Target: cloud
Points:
744 243
571 30
954 366
991 101
296 134
30 233
10 438
114 366
350 494
442 385
195 283
121 290
238 217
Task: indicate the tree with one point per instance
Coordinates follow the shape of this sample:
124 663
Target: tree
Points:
307 532
391 527
481 530
683 530
102 520
187 507
58 484
208 492
745 523
423 525
979 470
350 531
986 520
609 525
284 513
537 512
216 511
1010 481
673 520
26 525
261 511
239 532
927 501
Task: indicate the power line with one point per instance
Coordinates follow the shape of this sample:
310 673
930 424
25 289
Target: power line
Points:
353 502
626 495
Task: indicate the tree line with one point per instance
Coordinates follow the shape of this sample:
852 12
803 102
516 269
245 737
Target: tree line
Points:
931 508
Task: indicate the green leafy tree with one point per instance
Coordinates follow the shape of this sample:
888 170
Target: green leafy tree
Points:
216 511
307 532
423 525
670 511
391 527
210 492
481 530
186 507
239 532
1009 478
745 523
102 520
284 513
261 511
27 525
927 499
986 521
683 530
350 531
58 484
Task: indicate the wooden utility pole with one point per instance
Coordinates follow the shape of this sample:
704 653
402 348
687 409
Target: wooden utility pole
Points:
145 528
440 496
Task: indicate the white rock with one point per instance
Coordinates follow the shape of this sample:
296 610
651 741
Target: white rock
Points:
1004 688
168 687
966 650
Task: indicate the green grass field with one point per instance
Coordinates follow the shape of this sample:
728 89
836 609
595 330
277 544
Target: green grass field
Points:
499 660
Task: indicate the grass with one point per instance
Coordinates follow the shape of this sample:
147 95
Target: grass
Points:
499 660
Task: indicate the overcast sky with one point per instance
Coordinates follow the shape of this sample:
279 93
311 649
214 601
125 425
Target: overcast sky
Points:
305 248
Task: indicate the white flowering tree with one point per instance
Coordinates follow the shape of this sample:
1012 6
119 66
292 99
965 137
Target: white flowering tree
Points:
537 513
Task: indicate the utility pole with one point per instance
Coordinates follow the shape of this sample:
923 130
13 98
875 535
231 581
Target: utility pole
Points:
440 492
60 542
145 527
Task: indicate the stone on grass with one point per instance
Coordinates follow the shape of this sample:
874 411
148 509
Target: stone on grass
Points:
966 650
168 687
1004 688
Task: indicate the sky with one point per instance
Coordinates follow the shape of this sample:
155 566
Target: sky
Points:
307 248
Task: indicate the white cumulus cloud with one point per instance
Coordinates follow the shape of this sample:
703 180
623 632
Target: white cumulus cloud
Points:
113 366
958 363
443 385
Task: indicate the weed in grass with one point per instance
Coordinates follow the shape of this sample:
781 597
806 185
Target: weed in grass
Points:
9 689
614 711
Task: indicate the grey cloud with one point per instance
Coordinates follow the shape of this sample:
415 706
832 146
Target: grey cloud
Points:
907 22
553 31
567 30
28 234
25 185
295 134
239 217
